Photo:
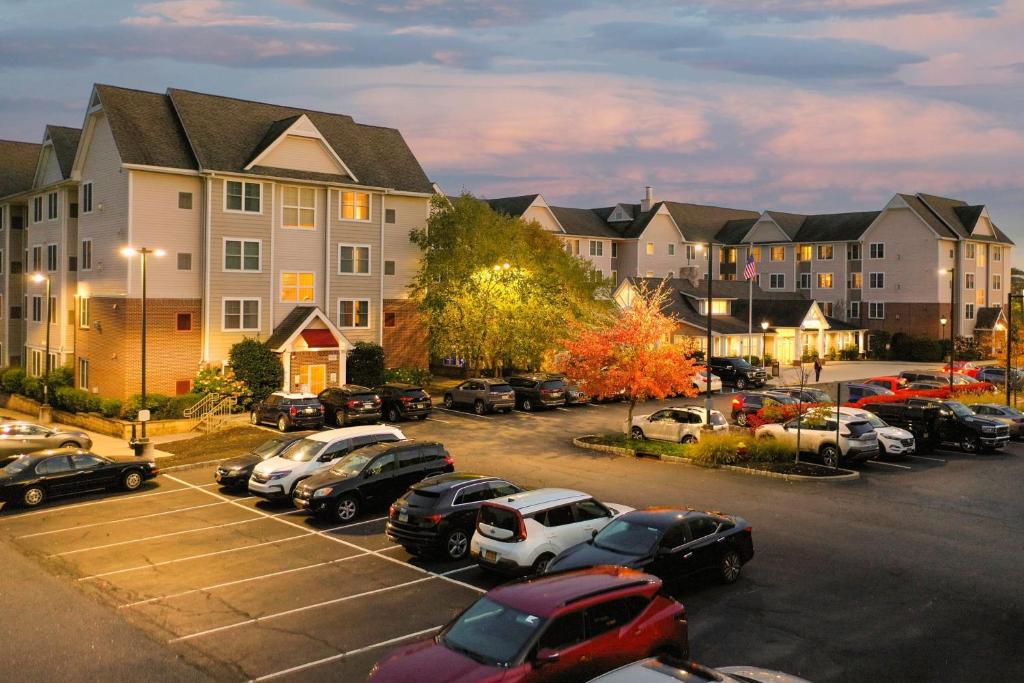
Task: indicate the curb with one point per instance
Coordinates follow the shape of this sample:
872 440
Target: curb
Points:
849 475
193 465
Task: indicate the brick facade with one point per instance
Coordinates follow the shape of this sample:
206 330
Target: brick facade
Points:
300 360
405 344
917 319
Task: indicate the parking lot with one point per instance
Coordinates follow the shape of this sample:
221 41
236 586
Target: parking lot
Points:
911 572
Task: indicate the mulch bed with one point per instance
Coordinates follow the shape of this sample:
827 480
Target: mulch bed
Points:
805 469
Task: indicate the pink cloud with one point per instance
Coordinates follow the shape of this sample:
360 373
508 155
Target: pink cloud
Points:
207 13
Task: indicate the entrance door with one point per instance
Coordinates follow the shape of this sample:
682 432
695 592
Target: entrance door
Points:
316 378
785 347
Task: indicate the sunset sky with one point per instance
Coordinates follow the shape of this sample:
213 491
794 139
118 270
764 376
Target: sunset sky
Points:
794 105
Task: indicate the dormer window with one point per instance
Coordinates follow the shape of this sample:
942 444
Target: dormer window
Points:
718 307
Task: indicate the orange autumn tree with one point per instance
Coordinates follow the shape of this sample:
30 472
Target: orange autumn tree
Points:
631 353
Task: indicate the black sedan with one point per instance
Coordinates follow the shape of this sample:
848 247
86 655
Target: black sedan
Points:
670 543
235 473
30 479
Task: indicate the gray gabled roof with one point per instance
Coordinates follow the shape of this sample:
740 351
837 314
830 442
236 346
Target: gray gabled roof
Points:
512 206
987 317
225 132
583 222
145 128
789 222
701 223
835 227
287 327
735 230
957 217
65 145
18 168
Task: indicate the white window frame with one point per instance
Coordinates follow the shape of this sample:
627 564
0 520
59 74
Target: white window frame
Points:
52 206
969 311
817 281
87 193
997 280
244 184
850 279
1 269
691 252
241 314
37 209
341 206
854 310
876 280
615 276
854 252
876 251
969 281
997 254
83 263
671 249
805 277
369 314
37 317
369 258
875 307
615 249
781 280
36 363
970 250
83 313
241 268
51 247
596 248
83 373
299 208
771 254
32 258
280 287
819 247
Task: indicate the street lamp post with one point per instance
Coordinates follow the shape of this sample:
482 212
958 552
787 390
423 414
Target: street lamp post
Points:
764 331
143 253
942 322
37 278
952 320
707 324
1009 341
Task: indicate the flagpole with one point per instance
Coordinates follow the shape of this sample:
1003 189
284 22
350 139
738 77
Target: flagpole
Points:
750 306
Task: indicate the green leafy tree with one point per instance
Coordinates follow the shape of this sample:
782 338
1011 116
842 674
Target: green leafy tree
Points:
496 290
257 366
365 364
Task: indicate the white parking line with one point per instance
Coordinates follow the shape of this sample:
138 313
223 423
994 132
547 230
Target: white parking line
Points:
460 414
222 552
119 499
891 464
118 521
434 419
343 655
564 410
263 515
523 412
922 457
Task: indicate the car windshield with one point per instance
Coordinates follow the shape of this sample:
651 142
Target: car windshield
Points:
268 448
1010 412
873 420
351 464
628 538
818 395
303 401
303 450
741 364
491 633
14 465
959 409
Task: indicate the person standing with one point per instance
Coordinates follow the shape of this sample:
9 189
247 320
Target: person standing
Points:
817 370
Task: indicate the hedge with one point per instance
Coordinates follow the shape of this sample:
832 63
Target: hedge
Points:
419 376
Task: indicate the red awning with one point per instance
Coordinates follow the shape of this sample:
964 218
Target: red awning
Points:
320 339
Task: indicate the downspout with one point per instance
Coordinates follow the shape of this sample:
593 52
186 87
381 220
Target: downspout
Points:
380 259
208 185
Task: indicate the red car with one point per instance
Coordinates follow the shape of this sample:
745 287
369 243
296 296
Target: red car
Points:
567 626
890 382
964 367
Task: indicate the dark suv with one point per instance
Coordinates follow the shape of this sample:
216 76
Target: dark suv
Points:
747 403
484 395
439 514
289 410
538 391
738 372
403 401
373 475
350 404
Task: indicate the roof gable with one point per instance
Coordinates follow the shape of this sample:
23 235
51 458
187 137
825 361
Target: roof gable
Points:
703 223
789 223
837 227
766 229
57 155
583 222
512 206
18 167
299 320
295 143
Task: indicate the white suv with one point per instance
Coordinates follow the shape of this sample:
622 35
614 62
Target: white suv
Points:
523 532
891 440
276 477
679 424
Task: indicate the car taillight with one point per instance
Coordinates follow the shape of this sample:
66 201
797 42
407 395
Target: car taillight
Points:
448 459
546 392
406 399
521 534
749 529
293 411
736 402
434 519
321 406
393 510
352 403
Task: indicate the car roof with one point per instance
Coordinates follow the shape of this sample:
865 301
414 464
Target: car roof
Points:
400 385
887 377
403 444
486 380
654 670
445 482
60 451
546 594
357 430
293 395
661 517
538 499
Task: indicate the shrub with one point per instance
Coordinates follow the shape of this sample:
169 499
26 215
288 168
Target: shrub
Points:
878 344
13 381
366 364
176 406
810 355
110 407
156 403
915 348
72 400
33 388
768 450
849 353
93 403
717 449
257 367
418 376
60 377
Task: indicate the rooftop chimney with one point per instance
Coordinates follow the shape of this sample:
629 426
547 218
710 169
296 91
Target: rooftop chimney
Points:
648 200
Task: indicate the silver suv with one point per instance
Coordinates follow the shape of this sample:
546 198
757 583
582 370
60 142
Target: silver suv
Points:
858 440
483 395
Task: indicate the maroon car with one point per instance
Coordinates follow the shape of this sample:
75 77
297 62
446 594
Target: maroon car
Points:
569 626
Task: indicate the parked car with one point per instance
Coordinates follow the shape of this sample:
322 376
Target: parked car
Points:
521 533
25 437
927 386
288 411
679 424
483 395
935 421
891 440
275 478
538 390
31 478
912 377
1011 417
655 670
575 395
738 372
855 392
438 514
403 401
350 404
671 543
964 367
700 380
857 440
806 394
997 376
747 403
890 382
374 475
235 473
562 627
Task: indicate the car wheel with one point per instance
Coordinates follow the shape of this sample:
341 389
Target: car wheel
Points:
540 565
741 419
33 496
730 567
253 418
741 384
421 417
346 509
527 405
456 544
392 415
70 444
830 456
969 444
479 408
131 480
282 424
637 433
688 438
339 418
449 402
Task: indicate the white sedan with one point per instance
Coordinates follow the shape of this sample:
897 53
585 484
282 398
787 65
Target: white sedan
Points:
700 381
682 424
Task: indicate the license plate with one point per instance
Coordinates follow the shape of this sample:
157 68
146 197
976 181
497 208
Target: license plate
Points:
403 516
308 411
368 405
490 556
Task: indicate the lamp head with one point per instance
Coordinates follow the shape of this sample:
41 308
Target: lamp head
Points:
159 252
699 248
128 252
942 321
764 325
38 277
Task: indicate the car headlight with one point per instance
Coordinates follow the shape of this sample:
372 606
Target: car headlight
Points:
280 474
320 493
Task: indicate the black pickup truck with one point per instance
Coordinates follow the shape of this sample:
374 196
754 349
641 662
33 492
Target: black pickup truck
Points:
935 421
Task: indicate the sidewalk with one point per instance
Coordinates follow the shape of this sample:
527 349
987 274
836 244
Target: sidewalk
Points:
852 370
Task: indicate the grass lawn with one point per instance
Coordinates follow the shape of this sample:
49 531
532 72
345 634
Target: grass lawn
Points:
226 443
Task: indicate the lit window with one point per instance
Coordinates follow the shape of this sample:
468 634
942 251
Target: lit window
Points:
856 280
650 248
825 280
297 287
803 252
355 206
825 252
83 313
778 254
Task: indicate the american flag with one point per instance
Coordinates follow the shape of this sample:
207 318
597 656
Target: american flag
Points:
750 270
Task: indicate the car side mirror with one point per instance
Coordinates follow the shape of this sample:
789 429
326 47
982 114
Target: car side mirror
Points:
547 656
593 534
326 457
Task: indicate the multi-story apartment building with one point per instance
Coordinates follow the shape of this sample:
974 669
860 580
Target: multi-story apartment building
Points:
899 269
283 224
